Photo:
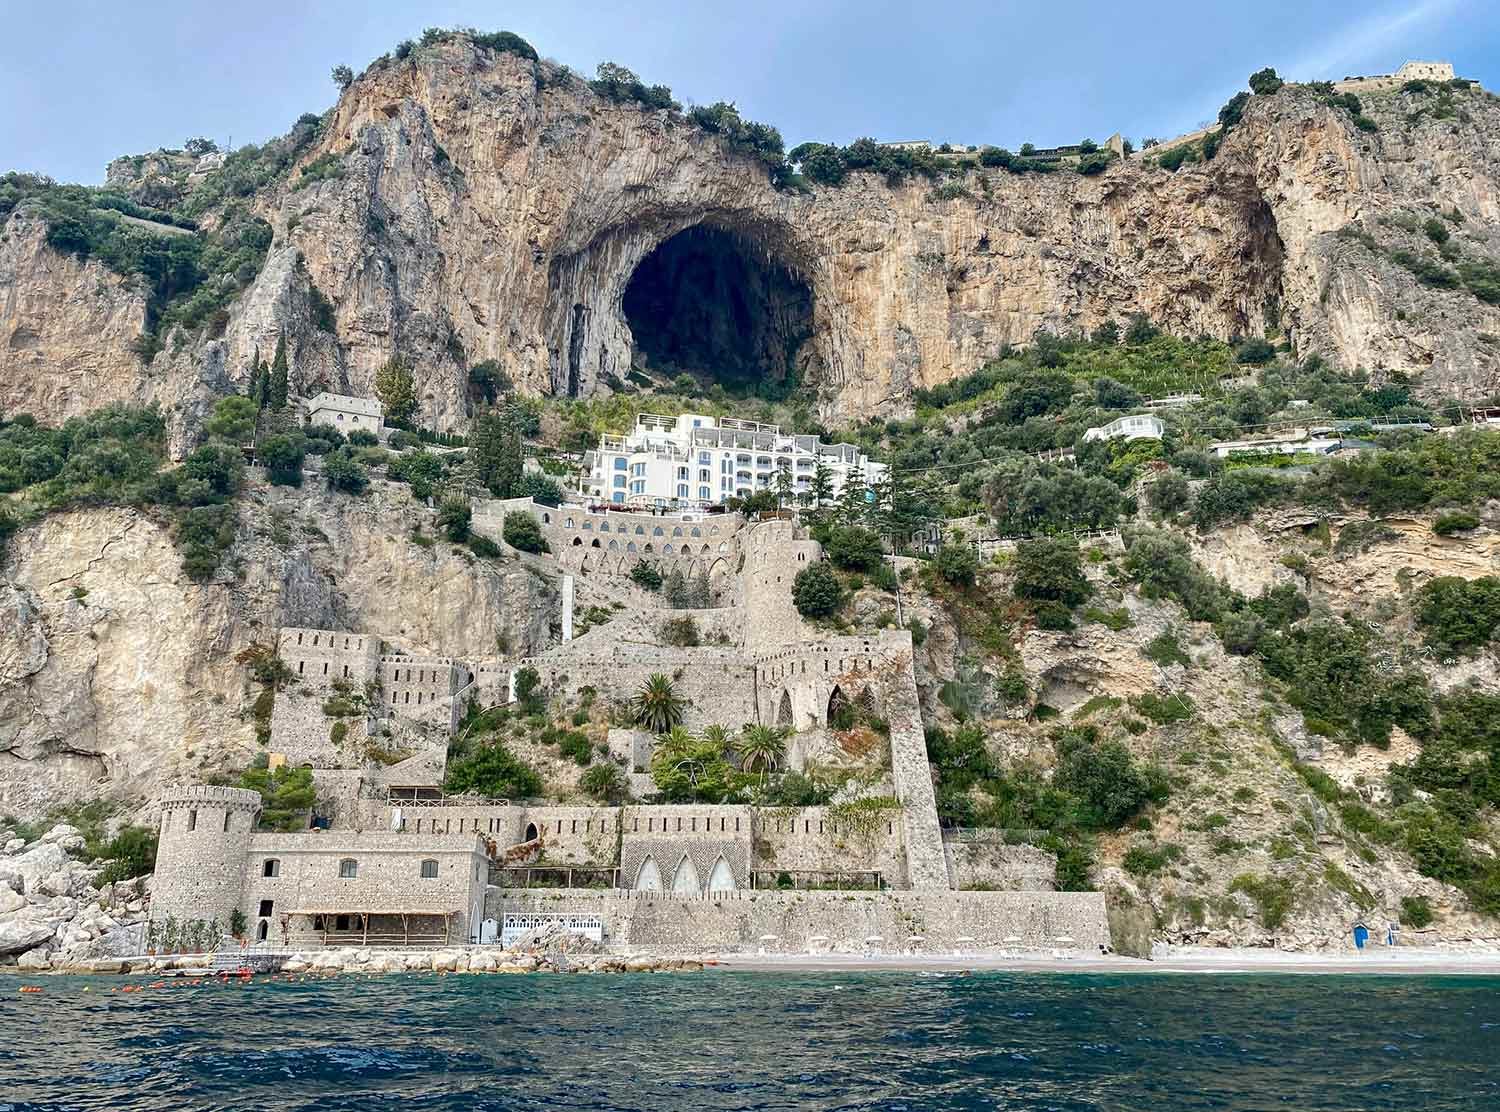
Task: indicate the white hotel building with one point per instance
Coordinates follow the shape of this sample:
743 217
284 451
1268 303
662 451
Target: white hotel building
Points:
696 460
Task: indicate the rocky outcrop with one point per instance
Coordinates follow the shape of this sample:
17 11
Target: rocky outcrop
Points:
488 207
119 674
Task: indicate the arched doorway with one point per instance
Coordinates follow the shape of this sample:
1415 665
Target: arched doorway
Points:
784 709
262 929
721 879
648 876
530 832
685 879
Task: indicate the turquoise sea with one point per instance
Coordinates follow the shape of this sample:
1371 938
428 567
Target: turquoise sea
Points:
725 1040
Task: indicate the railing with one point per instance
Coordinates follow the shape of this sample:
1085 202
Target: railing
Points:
547 876
448 801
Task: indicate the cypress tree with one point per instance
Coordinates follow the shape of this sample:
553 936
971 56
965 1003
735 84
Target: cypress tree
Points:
279 386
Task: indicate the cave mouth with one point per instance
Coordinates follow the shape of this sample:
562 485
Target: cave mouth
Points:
716 305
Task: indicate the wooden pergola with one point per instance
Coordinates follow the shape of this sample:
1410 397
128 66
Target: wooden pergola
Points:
404 913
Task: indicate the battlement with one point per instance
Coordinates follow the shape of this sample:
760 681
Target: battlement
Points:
198 795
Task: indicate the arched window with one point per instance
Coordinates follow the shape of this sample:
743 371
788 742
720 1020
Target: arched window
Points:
348 869
640 530
657 532
546 519
272 867
262 929
677 532
697 532
530 832
429 869
604 527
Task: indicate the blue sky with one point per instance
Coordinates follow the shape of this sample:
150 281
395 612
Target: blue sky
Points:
83 82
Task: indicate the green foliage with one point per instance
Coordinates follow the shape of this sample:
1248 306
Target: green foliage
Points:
759 141
1264 82
129 854
453 518
1416 912
853 548
645 575
342 472
1164 649
522 531
1162 565
681 633
233 420
1164 709
817 592
688 768
616 83
422 470
1108 783
1050 570
1460 521
830 164
395 386
497 452
328 166
1234 110
493 771
282 456
656 705
604 783
286 795
1273 896
957 563
1145 861
1458 615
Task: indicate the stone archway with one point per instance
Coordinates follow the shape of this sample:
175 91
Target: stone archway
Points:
784 709
648 876
685 879
721 877
839 708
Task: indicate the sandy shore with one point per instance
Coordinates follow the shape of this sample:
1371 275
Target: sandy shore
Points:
1197 960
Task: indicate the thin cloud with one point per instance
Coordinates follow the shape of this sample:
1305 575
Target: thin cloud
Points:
1371 38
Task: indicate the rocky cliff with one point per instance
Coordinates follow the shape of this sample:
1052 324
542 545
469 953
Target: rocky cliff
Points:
472 205
118 674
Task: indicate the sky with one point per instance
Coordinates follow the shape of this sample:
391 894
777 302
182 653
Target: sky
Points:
81 83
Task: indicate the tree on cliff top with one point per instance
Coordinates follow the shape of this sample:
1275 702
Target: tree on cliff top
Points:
343 77
1264 82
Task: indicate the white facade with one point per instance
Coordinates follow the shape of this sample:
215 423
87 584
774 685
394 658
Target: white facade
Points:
1136 427
698 460
345 413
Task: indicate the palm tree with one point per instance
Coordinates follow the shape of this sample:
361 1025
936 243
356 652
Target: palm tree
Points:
656 706
717 736
762 747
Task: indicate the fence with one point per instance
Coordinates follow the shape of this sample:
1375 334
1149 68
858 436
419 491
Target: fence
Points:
519 924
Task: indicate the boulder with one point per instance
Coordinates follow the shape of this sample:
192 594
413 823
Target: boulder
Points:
10 900
61 831
35 865
18 934
482 963
37 960
56 884
444 961
294 965
14 845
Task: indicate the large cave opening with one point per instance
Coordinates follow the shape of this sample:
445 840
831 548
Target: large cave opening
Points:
718 306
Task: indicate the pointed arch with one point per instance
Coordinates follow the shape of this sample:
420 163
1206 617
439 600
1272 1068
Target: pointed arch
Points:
595 543
685 878
648 876
784 709
530 832
721 877
577 542
838 705
614 545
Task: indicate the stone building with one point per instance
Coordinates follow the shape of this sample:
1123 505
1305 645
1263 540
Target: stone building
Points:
345 413
404 863
1409 71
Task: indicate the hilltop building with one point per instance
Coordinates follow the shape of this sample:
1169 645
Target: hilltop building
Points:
1135 427
696 460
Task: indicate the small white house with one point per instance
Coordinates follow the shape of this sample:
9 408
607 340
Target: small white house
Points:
1140 426
345 413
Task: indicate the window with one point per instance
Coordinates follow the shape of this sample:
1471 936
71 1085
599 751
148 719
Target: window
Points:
192 820
272 867
429 869
705 457
619 482
703 474
682 472
348 869
265 909
619 496
341 923
619 463
705 493
682 490
226 822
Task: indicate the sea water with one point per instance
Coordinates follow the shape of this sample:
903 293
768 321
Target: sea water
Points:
739 1040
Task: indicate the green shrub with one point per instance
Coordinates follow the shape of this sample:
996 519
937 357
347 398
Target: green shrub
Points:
680 632
1457 522
129 854
286 795
1164 650
1050 570
522 531
342 472
604 783
1144 861
853 548
645 575
1164 710
957 563
494 771
482 546
1273 896
1458 615
453 518
282 456
817 592
1109 784
1416 912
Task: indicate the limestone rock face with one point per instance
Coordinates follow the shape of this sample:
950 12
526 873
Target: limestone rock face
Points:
487 207
119 674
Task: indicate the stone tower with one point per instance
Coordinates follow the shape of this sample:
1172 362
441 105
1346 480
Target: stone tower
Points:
200 860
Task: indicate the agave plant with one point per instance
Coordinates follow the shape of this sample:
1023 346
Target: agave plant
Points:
717 736
656 706
763 748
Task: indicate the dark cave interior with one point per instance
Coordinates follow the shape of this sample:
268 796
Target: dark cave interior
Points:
718 306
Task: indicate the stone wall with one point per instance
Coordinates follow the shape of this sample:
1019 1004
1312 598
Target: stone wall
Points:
815 839
774 554
844 922
204 837
423 688
681 847
992 865
317 659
